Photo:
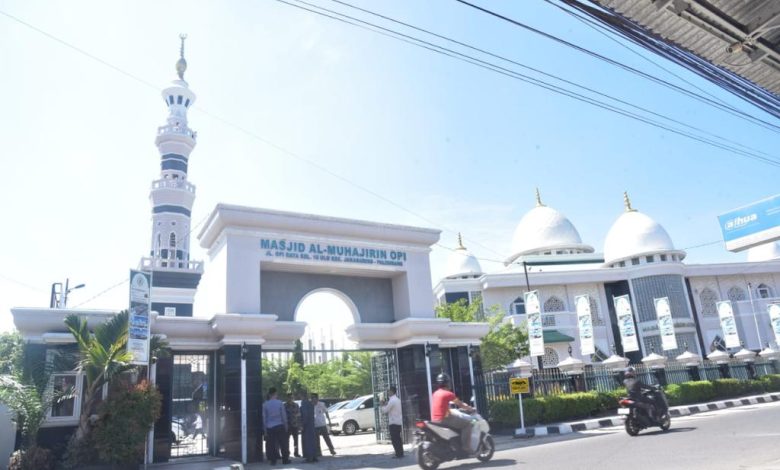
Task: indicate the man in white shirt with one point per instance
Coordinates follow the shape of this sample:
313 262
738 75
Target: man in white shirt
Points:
321 419
394 418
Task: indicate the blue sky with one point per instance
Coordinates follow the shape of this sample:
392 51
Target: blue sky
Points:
460 146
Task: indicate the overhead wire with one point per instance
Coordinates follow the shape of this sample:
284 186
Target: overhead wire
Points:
553 76
724 107
518 76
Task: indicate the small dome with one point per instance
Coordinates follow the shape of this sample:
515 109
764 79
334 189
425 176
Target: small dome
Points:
461 263
635 234
765 252
544 229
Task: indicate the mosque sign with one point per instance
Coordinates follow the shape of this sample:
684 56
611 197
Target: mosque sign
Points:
751 225
138 318
331 253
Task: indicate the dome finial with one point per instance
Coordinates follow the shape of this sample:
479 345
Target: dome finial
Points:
181 64
460 242
627 202
539 202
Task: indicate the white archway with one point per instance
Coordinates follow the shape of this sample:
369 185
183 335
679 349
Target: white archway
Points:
327 313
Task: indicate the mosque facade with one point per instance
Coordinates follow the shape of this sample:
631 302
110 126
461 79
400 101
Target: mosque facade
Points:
638 259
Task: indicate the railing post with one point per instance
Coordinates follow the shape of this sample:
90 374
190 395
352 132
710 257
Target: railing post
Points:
725 372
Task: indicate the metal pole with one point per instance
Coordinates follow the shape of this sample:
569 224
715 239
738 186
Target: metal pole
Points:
755 320
428 372
243 408
471 376
527 284
64 295
152 378
522 419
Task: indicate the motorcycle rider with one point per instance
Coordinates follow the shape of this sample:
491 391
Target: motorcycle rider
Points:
440 410
635 387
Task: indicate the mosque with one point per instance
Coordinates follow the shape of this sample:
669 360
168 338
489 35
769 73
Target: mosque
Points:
640 260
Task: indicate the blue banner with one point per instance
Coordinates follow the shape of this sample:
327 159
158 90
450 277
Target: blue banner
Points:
751 225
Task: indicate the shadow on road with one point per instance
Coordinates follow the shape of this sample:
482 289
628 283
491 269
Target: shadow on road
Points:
670 431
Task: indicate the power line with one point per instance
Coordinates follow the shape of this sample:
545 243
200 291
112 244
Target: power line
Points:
518 76
541 72
704 99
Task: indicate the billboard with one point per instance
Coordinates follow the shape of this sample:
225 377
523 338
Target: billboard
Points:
138 318
751 225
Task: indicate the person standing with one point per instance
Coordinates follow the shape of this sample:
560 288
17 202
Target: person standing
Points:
275 426
293 421
392 408
321 419
308 432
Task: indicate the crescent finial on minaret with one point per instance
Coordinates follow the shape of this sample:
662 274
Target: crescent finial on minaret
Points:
181 64
460 242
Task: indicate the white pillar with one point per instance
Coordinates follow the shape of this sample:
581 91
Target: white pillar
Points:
428 372
149 457
471 376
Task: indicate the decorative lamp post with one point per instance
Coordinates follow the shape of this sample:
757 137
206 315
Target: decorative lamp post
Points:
616 364
520 368
748 357
657 363
690 360
721 358
572 367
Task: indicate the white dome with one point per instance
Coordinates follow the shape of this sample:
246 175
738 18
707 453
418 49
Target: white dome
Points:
765 252
461 263
635 234
545 229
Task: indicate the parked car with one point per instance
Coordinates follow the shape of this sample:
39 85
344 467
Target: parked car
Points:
356 415
337 406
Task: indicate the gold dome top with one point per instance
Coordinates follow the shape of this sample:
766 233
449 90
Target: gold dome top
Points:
181 64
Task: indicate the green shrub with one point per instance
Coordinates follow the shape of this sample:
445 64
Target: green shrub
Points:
569 406
609 400
505 413
771 382
696 392
123 423
727 388
673 394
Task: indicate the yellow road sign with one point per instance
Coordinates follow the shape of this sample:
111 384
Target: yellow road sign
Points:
518 385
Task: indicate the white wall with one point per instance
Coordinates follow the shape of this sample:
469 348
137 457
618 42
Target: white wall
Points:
7 436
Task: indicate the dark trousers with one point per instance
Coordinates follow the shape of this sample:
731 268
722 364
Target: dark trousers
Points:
277 442
323 431
395 438
293 432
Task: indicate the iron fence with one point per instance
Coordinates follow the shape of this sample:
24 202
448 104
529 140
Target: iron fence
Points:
596 377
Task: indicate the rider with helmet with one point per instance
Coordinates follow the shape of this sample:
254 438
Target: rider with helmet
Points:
635 387
440 410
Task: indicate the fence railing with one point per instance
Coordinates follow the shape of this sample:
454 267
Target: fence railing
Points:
595 377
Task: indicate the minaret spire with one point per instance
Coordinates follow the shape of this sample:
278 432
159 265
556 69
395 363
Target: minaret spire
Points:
539 202
627 202
460 242
181 64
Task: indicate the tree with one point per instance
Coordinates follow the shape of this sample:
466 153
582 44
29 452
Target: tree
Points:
11 346
504 342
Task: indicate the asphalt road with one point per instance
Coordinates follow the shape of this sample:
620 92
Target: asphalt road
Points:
732 439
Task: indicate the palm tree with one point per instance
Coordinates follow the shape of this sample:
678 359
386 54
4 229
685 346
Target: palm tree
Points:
103 357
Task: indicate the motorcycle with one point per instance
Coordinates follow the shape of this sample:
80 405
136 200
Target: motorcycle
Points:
638 416
436 443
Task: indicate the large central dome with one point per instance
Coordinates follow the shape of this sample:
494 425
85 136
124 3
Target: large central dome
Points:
545 231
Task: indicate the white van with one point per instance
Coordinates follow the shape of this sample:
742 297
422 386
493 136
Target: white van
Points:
356 415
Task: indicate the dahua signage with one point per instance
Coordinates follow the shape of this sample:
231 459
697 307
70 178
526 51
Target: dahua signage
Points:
751 225
291 249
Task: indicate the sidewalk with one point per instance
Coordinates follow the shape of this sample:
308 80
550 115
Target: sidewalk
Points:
565 428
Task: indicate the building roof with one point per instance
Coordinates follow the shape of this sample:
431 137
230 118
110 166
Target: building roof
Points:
461 263
545 229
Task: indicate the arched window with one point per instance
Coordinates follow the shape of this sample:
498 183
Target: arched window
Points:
554 304
764 291
550 358
708 299
736 295
172 246
518 306
159 243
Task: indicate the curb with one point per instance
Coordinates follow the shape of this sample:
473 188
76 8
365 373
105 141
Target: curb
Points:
566 428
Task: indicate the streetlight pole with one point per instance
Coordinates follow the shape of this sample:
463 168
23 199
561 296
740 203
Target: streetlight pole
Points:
61 301
755 320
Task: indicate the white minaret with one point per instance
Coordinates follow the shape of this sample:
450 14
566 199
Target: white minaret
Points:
174 276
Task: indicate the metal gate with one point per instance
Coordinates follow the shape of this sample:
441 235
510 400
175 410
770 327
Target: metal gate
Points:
384 373
190 411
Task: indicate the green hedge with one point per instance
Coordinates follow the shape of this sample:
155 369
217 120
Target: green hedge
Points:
556 408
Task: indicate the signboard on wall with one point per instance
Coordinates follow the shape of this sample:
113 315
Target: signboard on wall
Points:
751 225
533 310
328 252
138 318
728 324
585 324
625 320
665 324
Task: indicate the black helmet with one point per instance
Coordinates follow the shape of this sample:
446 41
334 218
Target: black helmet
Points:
629 372
442 379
